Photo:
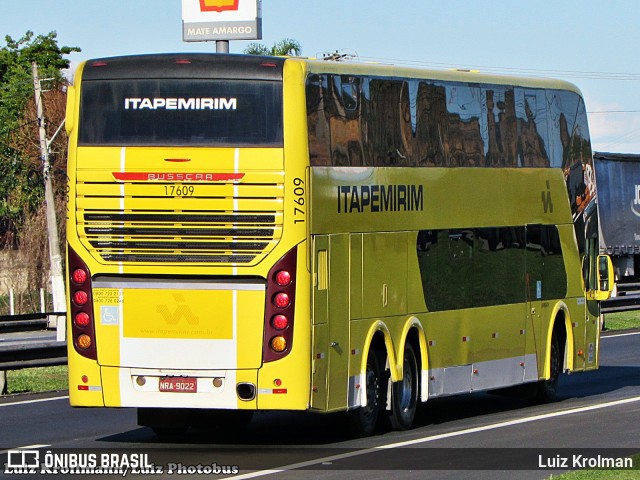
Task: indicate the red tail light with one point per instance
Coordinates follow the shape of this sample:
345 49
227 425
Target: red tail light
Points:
283 278
82 326
279 322
281 300
280 308
79 276
82 319
80 297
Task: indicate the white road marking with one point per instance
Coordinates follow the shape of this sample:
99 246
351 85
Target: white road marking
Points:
619 335
25 402
442 436
28 447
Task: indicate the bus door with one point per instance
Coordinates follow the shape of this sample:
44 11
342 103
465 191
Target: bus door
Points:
592 311
330 322
534 277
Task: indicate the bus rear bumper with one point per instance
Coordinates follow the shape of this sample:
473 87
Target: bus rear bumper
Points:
163 388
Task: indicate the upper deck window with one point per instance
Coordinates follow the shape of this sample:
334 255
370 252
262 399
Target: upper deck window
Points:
181 112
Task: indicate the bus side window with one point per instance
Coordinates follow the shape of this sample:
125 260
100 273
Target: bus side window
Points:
350 93
603 273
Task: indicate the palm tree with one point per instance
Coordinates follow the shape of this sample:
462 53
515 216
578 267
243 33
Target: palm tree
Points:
285 47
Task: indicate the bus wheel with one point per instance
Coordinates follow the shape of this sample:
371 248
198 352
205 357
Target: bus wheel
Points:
364 419
225 421
165 422
547 389
169 432
404 394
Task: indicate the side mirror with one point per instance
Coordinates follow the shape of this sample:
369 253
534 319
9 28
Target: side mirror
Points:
605 278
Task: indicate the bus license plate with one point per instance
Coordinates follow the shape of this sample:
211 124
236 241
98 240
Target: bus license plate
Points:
178 384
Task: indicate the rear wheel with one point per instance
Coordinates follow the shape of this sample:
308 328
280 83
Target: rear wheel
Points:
222 420
547 389
364 419
404 394
169 432
165 422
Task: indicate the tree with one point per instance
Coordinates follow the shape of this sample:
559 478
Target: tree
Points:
21 185
285 47
16 87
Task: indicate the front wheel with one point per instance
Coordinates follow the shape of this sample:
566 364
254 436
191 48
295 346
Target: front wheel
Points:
404 394
548 389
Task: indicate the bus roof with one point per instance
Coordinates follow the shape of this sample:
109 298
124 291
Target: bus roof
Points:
466 76
202 65
184 65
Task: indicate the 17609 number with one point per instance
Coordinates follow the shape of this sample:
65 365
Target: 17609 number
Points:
298 192
179 190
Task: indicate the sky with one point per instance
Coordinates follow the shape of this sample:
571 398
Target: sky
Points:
594 44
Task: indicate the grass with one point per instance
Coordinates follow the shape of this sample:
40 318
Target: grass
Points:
41 379
622 320
604 474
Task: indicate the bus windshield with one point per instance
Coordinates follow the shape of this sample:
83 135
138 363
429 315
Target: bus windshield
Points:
181 112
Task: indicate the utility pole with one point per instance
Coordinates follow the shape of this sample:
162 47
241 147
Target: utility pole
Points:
55 259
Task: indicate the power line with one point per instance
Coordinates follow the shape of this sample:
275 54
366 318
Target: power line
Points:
594 75
627 137
615 111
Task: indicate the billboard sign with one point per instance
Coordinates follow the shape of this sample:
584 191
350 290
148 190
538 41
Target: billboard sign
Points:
205 20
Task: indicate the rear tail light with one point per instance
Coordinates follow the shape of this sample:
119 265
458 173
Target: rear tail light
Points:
279 308
278 344
281 300
79 276
283 278
279 322
82 319
80 297
81 306
84 341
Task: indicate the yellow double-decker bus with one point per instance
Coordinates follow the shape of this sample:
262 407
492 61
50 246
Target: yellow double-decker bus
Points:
253 233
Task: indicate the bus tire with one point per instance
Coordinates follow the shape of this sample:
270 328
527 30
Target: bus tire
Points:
165 422
169 432
222 420
548 388
363 420
404 394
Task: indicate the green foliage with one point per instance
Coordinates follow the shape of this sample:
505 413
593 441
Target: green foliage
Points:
594 474
285 47
16 85
41 379
21 185
622 320
21 189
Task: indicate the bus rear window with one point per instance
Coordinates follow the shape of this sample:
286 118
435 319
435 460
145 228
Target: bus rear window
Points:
178 112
